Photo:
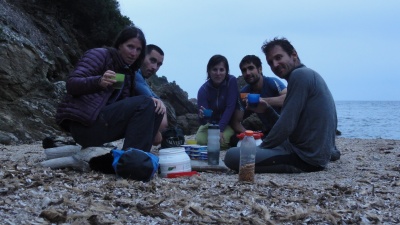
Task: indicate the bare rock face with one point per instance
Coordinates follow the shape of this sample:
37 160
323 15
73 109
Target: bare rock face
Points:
34 55
189 123
176 102
37 50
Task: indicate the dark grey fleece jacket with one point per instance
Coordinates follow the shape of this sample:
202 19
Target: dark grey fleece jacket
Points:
308 118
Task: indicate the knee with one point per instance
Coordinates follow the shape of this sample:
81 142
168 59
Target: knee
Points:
201 136
140 102
232 158
148 102
201 139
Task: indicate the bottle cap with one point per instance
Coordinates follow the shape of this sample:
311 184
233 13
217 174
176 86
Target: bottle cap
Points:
249 133
240 136
257 135
213 126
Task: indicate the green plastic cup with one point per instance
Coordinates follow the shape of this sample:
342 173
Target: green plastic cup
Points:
119 77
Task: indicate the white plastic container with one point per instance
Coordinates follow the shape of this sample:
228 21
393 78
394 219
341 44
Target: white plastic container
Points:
174 160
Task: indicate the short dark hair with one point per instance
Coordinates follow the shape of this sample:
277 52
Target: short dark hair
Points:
282 42
250 59
214 60
130 32
151 47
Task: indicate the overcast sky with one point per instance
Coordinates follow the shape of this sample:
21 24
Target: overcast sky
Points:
353 44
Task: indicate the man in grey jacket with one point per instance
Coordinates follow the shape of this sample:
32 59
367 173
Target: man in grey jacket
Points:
303 136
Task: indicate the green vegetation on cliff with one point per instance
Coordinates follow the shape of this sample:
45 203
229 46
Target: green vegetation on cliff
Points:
96 21
101 20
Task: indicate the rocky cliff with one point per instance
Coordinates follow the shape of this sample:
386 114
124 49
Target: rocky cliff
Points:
37 50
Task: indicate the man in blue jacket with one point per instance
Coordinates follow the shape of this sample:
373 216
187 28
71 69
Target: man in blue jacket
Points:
151 64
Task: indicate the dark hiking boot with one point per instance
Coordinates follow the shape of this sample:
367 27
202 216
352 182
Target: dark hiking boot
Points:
52 142
335 155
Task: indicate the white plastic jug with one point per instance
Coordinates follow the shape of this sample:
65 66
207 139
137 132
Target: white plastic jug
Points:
174 160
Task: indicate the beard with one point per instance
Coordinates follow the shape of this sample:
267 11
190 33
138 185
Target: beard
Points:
253 81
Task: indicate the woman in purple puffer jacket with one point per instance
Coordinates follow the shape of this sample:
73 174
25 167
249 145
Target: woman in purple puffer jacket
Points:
95 112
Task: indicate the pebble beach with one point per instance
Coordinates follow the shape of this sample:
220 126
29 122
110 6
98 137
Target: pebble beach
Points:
363 187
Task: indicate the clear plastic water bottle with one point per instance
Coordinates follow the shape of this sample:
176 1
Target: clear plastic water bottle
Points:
213 146
247 157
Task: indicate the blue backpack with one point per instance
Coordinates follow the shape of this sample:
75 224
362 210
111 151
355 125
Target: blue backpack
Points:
135 164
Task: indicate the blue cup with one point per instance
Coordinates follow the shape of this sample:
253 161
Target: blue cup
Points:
207 113
253 100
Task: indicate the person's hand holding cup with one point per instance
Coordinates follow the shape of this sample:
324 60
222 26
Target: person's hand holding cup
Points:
253 100
243 96
207 113
119 77
108 79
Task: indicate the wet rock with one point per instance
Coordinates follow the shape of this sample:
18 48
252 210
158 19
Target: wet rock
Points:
4 139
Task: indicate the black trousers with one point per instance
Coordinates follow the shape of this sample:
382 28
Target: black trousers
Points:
133 119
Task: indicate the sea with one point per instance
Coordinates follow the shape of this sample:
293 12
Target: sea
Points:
369 119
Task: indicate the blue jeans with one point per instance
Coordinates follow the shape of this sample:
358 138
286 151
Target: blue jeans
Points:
133 119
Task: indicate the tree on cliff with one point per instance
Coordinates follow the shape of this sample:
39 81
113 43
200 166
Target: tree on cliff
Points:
98 21
101 20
